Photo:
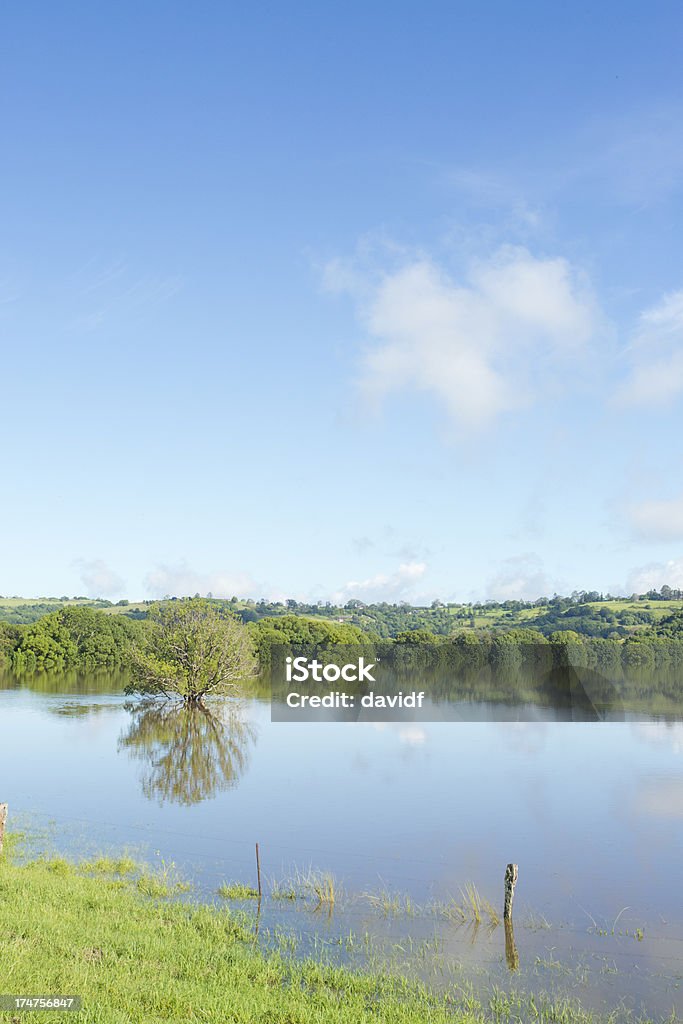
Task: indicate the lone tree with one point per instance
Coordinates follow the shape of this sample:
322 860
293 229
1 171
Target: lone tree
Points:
191 649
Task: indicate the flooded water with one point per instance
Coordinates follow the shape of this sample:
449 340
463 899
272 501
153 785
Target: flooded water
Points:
406 812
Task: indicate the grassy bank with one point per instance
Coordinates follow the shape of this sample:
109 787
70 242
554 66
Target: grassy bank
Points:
69 930
111 935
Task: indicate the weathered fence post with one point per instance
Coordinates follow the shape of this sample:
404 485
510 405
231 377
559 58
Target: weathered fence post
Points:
258 872
3 819
511 872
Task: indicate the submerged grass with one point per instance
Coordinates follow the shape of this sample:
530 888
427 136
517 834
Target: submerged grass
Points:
136 957
317 887
471 908
320 886
477 907
283 890
237 891
123 865
392 904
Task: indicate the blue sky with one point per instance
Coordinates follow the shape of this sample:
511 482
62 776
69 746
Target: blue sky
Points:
363 300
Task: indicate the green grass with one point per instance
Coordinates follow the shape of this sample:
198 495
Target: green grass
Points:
123 865
237 891
135 958
19 602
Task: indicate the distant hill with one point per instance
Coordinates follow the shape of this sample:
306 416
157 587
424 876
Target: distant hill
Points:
586 612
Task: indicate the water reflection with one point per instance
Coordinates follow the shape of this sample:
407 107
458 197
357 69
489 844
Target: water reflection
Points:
581 697
511 954
188 754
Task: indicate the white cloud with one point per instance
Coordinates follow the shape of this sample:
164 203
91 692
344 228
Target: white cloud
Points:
655 375
394 586
183 581
655 575
99 580
658 520
521 578
483 347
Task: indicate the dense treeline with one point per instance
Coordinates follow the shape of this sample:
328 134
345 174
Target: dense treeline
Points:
73 637
81 636
525 646
296 630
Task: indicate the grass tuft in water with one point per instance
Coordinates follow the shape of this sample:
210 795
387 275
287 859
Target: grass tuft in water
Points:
478 908
392 904
123 865
163 882
320 886
237 891
283 890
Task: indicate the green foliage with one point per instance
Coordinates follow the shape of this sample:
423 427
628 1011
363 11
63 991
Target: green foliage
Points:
417 636
297 631
62 634
670 625
522 636
191 649
74 637
21 613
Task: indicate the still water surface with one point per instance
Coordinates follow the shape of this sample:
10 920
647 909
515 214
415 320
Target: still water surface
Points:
591 811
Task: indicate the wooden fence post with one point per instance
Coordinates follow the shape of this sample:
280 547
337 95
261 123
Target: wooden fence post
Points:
3 819
511 872
258 871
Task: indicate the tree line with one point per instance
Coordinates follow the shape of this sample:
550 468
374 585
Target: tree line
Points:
80 637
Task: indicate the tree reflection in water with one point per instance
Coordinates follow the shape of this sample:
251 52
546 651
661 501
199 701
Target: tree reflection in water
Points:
190 754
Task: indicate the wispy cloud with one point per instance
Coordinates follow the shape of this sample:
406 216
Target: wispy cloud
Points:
520 578
633 160
638 158
394 586
658 520
181 580
491 190
99 579
482 347
655 356
655 575
106 290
